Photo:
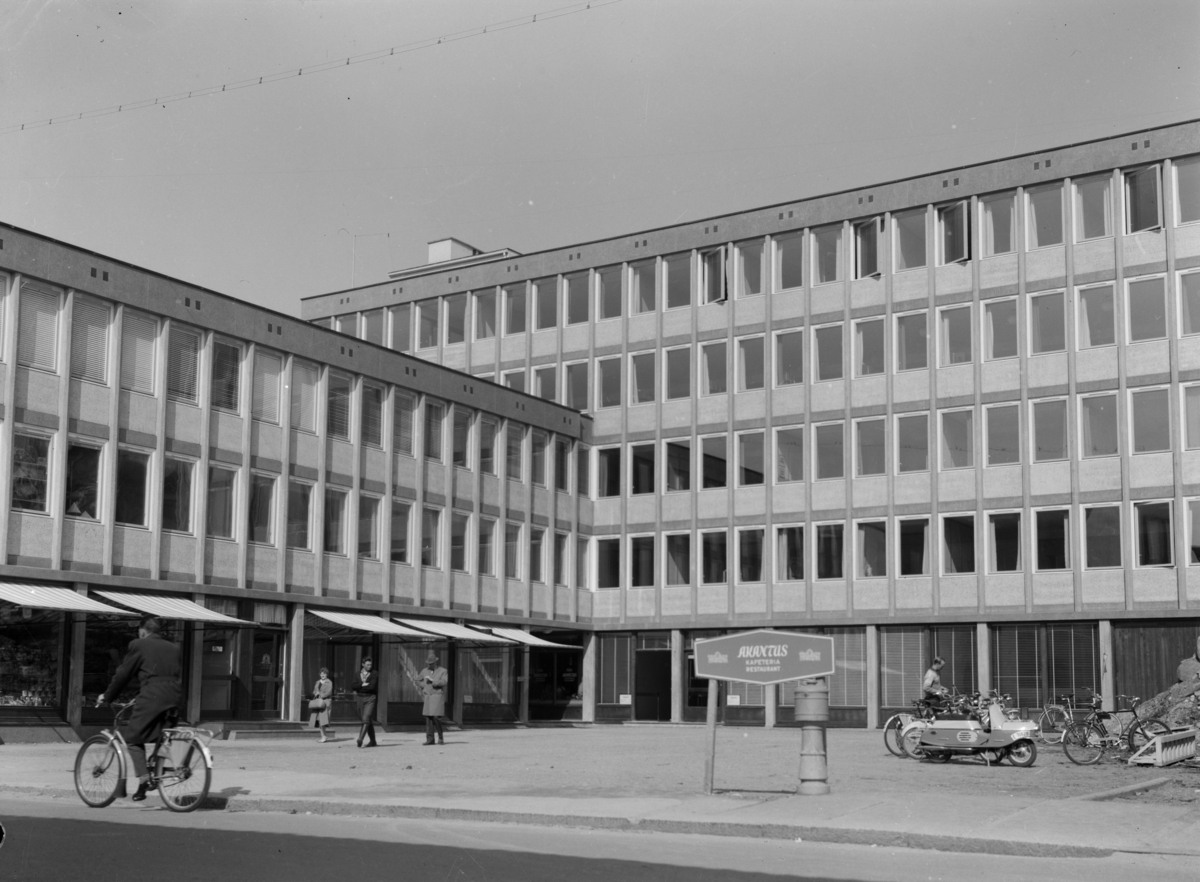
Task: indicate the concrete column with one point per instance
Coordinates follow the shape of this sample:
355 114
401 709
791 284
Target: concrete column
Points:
296 688
677 684
195 664
74 696
523 680
587 676
874 693
983 657
770 705
384 672
1108 682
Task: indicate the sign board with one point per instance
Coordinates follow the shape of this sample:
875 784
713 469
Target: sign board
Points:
764 657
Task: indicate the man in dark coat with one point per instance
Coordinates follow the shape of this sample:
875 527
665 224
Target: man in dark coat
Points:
155 662
366 694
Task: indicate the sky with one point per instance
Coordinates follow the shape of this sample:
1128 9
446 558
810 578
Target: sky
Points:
587 123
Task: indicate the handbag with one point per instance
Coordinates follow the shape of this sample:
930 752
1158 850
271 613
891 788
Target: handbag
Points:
318 704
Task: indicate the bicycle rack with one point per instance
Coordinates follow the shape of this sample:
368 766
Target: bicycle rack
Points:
1166 750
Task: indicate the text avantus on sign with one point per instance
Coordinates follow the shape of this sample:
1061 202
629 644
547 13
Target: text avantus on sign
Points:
764 657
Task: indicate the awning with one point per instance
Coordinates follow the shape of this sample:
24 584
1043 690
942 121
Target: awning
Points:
453 631
373 624
170 608
46 597
528 639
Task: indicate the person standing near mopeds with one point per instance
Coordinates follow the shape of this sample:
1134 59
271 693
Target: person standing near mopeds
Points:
433 678
366 694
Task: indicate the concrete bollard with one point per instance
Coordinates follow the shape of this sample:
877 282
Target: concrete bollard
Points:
812 713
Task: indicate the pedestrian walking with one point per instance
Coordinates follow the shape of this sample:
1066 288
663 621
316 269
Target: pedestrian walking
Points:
366 693
433 679
318 705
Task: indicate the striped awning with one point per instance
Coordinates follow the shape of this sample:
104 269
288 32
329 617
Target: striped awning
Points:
528 639
453 631
373 624
167 607
48 597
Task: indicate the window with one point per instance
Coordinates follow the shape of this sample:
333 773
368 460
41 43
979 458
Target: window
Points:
642 382
488 429
264 398
582 472
1193 534
713 557
515 380
461 439
405 409
402 330
679 280
578 306
1052 541
546 297
371 419
37 328
870 458
427 324
1151 420
177 495
1098 425
872 549
750 555
830 444
1152 521
866 248
1045 217
373 326
512 550
712 369
459 529
789 554
914 546
641 469
576 385
1147 309
431 525
999 224
679 372
456 319
958 439
868 347
226 375
1096 322
958 534
751 371
304 396
1003 434
1189 298
1191 417
560 559
679 559
714 470
1102 536
543 382
183 364
789 259
347 324
712 275
608 563
608 290
514 308
1049 430
401 512
221 484
830 551
910 239
828 343
1047 324
608 472
434 414
645 293
641 562
954 229
789 358
679 465
487 541
1093 207
83 482
562 464
1143 210
750 255
827 255
485 314
298 515
1187 189
912 349
1000 329
260 525
1004 542
789 455
514 443
751 463
912 442
89 345
955 334
609 382
537 467
132 476
337 416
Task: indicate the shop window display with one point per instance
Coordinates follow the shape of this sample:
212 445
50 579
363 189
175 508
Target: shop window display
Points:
31 651
105 644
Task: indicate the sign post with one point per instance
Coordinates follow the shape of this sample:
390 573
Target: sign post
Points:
764 657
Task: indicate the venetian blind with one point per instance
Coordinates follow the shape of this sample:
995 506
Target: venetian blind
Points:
183 364
337 421
138 335
89 340
37 330
402 428
1073 659
265 404
226 375
304 396
848 685
1016 663
956 646
372 415
902 659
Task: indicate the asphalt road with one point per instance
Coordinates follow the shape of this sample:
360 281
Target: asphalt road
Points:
55 840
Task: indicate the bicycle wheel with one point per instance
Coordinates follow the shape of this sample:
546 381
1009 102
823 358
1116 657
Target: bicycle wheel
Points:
183 774
910 741
891 735
1052 723
1083 743
1143 732
99 771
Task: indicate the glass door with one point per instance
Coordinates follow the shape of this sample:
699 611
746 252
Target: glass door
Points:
267 677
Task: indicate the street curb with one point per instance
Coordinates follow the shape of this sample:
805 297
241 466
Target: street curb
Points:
1118 792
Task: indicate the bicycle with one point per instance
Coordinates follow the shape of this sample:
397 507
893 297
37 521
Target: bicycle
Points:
180 765
1086 742
1055 718
922 710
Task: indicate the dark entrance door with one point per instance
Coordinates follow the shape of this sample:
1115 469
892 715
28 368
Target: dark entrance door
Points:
266 696
652 685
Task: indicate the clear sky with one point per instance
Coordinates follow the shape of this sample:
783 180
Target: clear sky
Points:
624 117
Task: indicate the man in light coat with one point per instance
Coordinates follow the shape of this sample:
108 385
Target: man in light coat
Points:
433 678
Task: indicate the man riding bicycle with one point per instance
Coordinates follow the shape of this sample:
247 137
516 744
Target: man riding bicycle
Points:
155 661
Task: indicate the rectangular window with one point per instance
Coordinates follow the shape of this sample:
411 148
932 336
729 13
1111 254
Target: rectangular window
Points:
562 463
1000 329
582 472
371 419
456 319
132 475
546 294
1191 416
750 256
868 348
679 559
1096 321
642 382
1189 301
999 224
713 557
347 324
177 495
405 405
512 550
828 343
461 439
712 275
645 293
221 483
1003 434
789 261
37 328
1151 420
402 329
1047 324
514 445
226 375
955 335
335 521
608 381
641 469
912 442
1102 536
914 546
578 302
1098 425
514 380
1049 430
1143 209
373 326
488 428
1004 545
1147 309
789 554
1045 216
830 551
713 451
486 559
608 472
537 468
679 373
260 526
576 385
1187 189
1152 521
789 358
514 308
827 255
870 457
872 549
641 562
866 248
958 439
1093 208
912 344
337 416
608 563
459 528
83 482
264 403
560 559
910 239
427 324
298 514
751 461
958 534
712 368
582 576
954 228
679 465
751 371
608 292
304 396
485 314
1193 534
401 512
679 280
89 344
544 382
830 444
1053 545
750 555
183 364
789 455
434 414
431 535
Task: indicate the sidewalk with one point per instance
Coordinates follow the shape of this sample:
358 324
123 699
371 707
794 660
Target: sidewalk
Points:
650 779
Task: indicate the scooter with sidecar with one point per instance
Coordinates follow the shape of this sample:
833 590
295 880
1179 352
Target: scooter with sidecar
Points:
989 734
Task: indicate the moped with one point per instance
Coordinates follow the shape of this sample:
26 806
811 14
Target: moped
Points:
988 733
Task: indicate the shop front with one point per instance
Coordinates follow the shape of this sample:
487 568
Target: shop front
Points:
555 679
242 667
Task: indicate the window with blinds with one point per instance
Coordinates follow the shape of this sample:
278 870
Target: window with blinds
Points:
183 364
304 396
37 328
616 667
955 645
89 340
1017 664
902 659
372 415
402 422
746 695
265 392
848 685
1073 656
226 375
434 414
337 417
138 336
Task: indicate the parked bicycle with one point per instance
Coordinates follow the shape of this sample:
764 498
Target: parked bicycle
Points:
180 765
923 709
1055 718
1087 741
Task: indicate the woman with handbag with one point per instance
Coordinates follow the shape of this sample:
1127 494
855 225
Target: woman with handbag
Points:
318 705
